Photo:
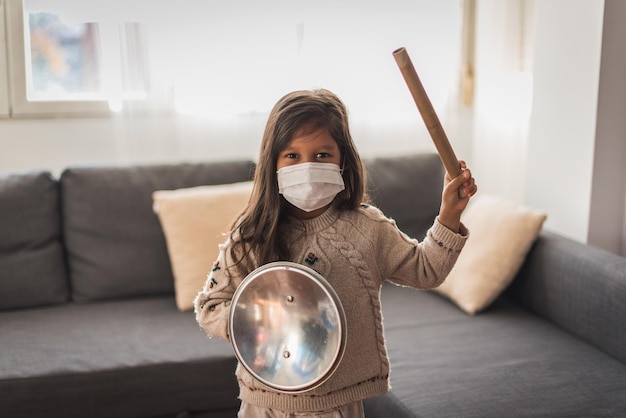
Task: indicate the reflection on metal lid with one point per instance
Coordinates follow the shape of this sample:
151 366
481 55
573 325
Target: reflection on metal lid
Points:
287 326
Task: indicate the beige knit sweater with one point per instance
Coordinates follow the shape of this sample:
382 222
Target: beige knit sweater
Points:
355 251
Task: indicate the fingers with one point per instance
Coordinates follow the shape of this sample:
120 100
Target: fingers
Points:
464 183
471 189
463 180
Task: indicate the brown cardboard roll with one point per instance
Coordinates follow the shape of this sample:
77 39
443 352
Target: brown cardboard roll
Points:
437 134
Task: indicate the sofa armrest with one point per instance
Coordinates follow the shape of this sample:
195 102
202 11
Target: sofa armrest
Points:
578 287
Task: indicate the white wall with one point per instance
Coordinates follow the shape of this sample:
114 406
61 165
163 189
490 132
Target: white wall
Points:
577 144
568 155
561 141
56 144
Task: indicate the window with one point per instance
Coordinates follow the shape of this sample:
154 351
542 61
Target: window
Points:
217 61
63 60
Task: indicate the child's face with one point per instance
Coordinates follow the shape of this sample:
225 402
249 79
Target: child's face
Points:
310 147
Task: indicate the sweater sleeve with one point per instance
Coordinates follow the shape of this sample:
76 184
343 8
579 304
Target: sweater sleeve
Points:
423 265
212 304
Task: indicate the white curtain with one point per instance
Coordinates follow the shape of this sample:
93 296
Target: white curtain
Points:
215 68
503 95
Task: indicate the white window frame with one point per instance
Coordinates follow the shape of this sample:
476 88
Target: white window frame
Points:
18 104
4 77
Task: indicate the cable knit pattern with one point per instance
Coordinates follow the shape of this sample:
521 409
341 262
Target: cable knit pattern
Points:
356 251
355 258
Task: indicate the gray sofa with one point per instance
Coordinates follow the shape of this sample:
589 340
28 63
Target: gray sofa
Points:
89 325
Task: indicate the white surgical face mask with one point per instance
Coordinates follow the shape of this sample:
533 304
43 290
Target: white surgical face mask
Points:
310 186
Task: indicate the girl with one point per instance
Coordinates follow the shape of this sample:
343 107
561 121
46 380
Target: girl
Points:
307 206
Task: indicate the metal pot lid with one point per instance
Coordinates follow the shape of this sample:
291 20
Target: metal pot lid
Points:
287 326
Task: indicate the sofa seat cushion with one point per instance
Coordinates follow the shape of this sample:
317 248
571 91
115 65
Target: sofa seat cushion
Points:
505 362
32 266
112 359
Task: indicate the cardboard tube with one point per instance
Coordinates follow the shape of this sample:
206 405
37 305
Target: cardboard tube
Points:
438 135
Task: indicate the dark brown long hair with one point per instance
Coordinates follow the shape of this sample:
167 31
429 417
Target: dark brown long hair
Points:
254 234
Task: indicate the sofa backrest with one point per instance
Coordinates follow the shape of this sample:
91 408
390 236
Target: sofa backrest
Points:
32 266
114 241
579 287
408 189
92 234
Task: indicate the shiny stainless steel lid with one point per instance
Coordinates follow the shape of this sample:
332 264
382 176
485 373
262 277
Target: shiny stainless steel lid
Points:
287 326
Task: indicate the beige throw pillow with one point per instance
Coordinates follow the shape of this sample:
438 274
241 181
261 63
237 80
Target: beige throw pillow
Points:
194 222
501 233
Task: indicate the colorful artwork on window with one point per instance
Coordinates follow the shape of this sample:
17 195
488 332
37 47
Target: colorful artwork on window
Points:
64 58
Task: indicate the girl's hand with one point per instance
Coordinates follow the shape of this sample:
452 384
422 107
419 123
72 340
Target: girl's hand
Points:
455 197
